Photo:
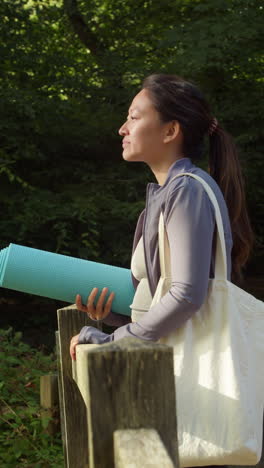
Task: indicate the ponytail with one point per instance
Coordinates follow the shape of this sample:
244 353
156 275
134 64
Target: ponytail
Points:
225 168
177 99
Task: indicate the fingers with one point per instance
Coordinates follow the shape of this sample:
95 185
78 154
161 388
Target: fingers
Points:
73 344
91 299
89 307
108 305
101 299
73 352
78 302
101 309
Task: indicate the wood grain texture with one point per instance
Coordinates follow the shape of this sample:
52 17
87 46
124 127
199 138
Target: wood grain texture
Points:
49 391
73 410
140 448
61 405
49 402
130 386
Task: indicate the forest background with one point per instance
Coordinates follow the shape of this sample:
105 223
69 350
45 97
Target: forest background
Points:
68 73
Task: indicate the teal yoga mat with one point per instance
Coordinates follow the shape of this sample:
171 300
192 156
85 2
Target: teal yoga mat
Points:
61 277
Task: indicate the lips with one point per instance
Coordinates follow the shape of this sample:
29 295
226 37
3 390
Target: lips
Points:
124 143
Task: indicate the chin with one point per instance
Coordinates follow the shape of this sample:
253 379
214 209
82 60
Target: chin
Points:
130 157
127 156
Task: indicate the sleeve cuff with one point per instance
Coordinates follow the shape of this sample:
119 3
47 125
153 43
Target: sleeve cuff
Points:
94 336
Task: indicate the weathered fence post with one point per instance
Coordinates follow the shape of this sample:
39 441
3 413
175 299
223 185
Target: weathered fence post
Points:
72 406
128 384
49 401
140 448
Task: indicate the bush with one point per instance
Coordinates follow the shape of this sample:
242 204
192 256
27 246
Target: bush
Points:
23 439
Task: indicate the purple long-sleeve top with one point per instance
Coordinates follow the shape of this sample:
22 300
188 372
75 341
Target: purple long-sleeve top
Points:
190 224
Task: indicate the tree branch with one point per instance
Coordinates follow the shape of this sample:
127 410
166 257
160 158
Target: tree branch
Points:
87 37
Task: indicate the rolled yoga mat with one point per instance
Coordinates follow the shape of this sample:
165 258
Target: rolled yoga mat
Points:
61 277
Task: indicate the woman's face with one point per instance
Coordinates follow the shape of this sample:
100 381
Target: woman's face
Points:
143 132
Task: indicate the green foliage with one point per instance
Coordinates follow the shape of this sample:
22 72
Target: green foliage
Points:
62 184
23 440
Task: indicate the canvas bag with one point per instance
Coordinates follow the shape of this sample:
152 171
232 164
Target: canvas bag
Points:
218 366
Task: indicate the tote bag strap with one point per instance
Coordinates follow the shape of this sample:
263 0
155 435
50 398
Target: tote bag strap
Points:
220 258
164 250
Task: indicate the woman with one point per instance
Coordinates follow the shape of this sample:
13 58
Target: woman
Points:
167 124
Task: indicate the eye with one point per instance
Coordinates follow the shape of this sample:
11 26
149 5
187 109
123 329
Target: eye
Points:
131 117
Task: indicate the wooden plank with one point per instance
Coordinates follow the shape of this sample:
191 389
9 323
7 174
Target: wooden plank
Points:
49 402
130 385
61 405
140 448
49 391
73 410
79 372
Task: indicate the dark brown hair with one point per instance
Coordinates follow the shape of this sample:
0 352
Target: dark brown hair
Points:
177 99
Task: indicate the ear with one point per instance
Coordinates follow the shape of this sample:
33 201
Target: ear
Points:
172 131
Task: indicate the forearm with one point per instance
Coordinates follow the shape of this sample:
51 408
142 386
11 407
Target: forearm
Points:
93 335
163 318
190 228
89 334
166 316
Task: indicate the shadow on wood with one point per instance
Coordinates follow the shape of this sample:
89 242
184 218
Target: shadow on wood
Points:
72 406
128 384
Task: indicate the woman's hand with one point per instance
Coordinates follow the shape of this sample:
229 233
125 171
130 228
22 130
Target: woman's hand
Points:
101 310
74 342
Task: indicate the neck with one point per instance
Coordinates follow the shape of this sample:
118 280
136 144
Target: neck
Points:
160 170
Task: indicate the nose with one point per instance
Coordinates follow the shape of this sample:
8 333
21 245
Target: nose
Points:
123 130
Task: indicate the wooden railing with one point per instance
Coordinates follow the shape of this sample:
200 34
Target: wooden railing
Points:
117 401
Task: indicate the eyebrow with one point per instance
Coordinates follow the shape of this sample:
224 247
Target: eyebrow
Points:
133 109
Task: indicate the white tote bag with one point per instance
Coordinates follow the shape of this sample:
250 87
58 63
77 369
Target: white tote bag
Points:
218 366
